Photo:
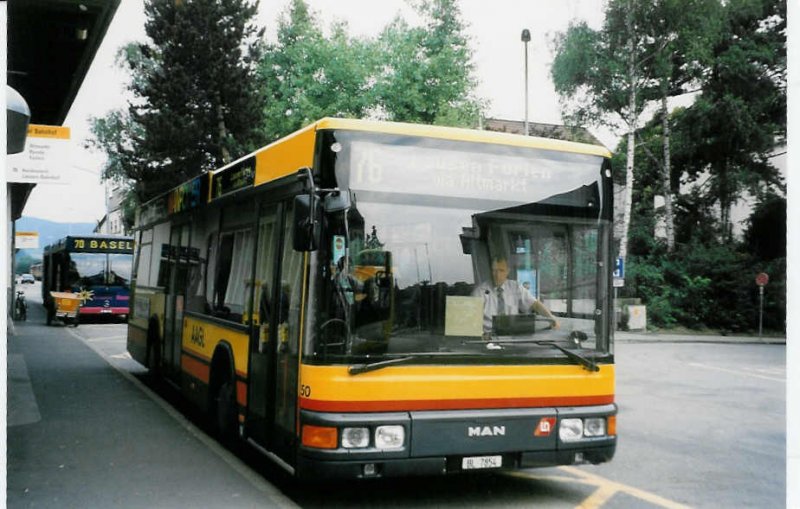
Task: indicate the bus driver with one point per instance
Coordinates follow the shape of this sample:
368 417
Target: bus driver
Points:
503 296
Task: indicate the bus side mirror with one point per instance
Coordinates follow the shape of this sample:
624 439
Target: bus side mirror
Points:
337 201
306 229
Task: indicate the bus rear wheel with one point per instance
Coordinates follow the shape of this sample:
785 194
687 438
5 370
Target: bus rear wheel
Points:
51 313
153 354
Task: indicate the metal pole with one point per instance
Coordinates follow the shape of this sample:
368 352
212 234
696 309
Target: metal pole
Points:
527 131
526 37
760 310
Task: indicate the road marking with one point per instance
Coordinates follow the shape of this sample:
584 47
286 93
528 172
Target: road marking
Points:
276 496
737 372
606 488
600 496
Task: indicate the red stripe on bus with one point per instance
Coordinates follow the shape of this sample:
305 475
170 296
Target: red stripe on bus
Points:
240 375
241 393
452 404
86 310
196 368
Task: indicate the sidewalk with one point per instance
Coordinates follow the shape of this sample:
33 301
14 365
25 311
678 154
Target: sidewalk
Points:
80 434
666 337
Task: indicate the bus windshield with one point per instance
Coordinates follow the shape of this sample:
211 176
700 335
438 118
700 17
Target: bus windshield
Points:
501 261
87 270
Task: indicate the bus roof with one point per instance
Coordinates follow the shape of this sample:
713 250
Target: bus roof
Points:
288 154
461 134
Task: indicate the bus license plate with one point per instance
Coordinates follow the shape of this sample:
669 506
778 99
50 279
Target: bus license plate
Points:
476 462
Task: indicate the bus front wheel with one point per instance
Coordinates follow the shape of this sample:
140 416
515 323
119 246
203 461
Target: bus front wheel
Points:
225 418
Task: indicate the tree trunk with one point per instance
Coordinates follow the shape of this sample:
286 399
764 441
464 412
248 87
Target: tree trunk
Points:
666 170
631 121
223 132
725 205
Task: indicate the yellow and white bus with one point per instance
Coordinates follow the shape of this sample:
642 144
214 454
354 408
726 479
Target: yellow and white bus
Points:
325 299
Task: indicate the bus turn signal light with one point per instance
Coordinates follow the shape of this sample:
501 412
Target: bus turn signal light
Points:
320 437
612 425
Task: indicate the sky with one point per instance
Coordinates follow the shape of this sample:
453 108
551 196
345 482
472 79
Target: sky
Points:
494 28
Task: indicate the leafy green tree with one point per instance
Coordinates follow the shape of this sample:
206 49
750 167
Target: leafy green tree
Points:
427 74
645 52
196 102
411 74
308 76
598 75
764 234
681 34
740 116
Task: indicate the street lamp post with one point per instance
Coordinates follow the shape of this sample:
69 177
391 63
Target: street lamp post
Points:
526 38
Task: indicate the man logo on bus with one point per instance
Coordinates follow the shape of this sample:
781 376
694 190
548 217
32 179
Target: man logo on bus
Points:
486 431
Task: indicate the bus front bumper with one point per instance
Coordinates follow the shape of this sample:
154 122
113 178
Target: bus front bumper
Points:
315 468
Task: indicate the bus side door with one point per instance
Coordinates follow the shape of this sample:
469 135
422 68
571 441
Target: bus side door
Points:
264 331
175 290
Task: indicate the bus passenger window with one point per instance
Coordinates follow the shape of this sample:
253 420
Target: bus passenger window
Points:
223 273
233 276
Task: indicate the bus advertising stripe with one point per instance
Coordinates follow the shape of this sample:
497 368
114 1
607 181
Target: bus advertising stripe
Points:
452 404
199 367
195 367
240 376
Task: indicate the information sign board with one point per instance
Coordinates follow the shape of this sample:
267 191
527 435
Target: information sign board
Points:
45 158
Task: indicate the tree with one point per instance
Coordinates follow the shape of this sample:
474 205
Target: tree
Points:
308 76
408 74
427 75
767 219
196 102
740 116
645 52
681 34
597 74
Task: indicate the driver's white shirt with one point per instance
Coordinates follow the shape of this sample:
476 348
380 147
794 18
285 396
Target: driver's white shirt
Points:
516 298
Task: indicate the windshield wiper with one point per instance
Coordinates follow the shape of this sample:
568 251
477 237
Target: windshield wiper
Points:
587 363
357 369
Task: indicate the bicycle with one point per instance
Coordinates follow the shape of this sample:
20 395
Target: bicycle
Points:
21 306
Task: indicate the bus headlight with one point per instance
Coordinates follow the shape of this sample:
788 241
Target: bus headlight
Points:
389 437
353 438
570 430
594 427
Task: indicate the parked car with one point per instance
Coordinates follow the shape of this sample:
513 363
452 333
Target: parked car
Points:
27 278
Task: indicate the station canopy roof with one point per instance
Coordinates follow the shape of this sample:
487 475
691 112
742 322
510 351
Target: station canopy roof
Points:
51 45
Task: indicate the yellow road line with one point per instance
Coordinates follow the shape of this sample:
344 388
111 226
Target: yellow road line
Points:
602 482
600 496
606 488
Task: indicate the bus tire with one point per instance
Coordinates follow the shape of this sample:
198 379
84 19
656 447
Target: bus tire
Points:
51 313
224 411
153 356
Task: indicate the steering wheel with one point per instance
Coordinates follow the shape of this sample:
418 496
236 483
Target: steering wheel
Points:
331 321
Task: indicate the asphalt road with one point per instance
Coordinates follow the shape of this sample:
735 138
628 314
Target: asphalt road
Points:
700 425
